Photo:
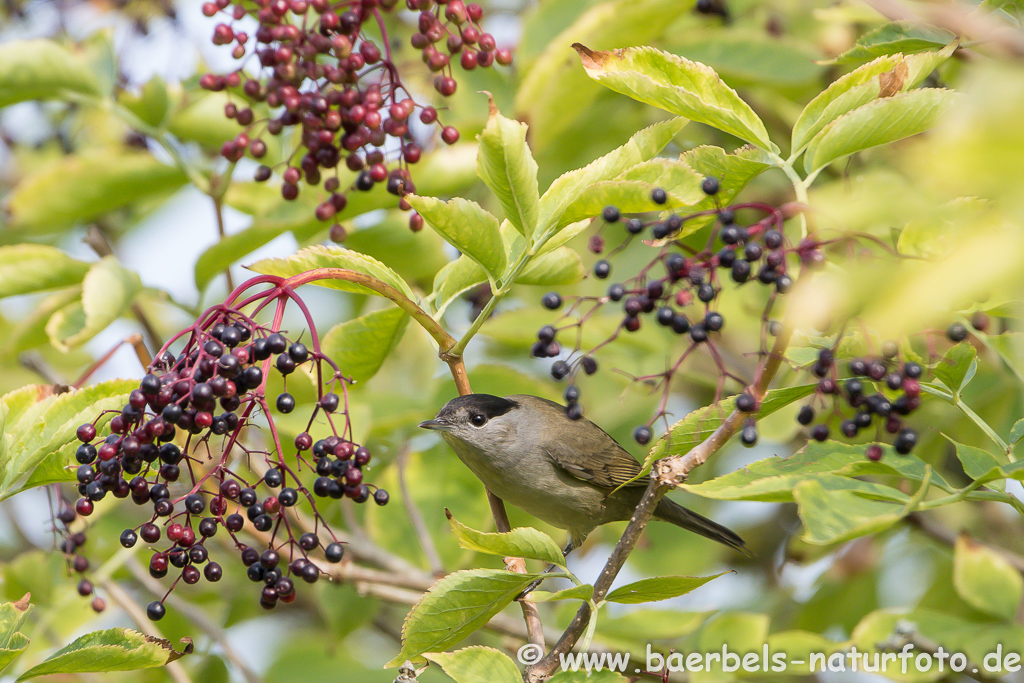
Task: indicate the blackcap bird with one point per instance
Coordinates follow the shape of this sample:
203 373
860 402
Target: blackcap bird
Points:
527 451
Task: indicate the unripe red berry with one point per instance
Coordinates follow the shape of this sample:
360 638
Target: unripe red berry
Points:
450 135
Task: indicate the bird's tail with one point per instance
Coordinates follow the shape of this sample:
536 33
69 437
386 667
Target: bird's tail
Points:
670 511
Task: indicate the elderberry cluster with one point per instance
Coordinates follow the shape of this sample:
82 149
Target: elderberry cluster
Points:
881 392
679 287
169 450
328 69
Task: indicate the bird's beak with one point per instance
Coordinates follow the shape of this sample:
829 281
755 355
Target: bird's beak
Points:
436 425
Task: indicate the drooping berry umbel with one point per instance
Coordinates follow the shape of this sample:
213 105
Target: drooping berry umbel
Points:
176 450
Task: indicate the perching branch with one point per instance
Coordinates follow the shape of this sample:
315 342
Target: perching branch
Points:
665 474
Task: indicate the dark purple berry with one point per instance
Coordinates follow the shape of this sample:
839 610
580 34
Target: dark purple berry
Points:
642 434
956 333
748 435
552 301
86 433
129 538
740 271
334 552
156 610
905 441
560 369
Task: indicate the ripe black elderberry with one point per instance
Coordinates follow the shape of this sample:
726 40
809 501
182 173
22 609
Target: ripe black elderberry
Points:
642 434
956 332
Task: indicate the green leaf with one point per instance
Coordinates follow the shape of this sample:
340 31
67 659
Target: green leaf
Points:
630 191
30 331
417 257
507 167
26 268
12 641
318 256
477 664
151 103
985 579
773 479
832 515
1017 432
644 145
749 57
893 38
739 631
583 676
881 78
555 95
734 171
955 367
203 122
563 266
523 542
455 278
359 346
877 123
43 427
657 588
845 94
677 85
89 184
651 624
456 606
467 227
700 423
116 649
583 592
108 289
42 70
1015 470
976 461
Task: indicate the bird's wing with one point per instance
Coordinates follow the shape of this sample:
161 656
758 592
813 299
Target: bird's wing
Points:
609 466
604 462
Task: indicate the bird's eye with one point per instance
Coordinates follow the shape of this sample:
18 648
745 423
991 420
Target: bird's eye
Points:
478 420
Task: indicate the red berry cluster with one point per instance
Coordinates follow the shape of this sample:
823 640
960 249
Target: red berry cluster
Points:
191 410
679 286
321 70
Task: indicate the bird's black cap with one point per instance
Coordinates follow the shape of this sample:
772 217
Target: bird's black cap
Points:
489 405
